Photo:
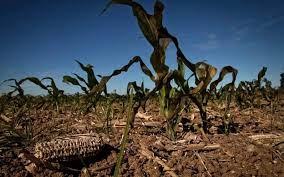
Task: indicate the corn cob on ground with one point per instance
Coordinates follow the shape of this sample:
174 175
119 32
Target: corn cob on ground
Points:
70 148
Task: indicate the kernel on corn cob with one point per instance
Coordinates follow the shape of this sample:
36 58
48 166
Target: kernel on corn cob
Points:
65 149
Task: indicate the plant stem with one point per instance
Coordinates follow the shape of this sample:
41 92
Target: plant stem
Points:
130 115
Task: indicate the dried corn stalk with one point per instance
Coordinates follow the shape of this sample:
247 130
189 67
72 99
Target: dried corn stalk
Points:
69 148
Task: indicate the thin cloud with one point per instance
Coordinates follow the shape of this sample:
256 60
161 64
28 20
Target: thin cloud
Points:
271 22
242 29
243 25
252 25
240 33
210 43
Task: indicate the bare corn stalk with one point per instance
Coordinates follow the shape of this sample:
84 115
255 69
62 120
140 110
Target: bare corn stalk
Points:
130 117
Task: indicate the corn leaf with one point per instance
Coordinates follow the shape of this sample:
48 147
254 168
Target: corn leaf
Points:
225 70
74 81
17 83
261 74
149 24
36 81
127 2
81 79
102 85
7 80
55 91
140 91
158 62
204 74
92 80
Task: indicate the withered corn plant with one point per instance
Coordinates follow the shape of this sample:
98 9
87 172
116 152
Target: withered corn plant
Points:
171 98
18 100
137 96
17 87
86 85
225 94
90 82
249 91
15 132
53 91
107 107
258 93
130 115
109 113
16 129
253 93
19 129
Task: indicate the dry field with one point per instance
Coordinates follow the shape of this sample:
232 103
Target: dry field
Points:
253 148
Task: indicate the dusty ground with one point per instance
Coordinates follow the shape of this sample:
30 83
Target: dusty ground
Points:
237 154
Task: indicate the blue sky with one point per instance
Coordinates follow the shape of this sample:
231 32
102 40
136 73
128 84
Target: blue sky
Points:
44 37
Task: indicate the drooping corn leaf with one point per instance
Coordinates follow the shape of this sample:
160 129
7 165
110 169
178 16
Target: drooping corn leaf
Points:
88 68
126 2
17 87
55 91
7 80
225 70
36 81
163 33
204 74
92 80
261 74
149 24
74 81
17 83
102 85
81 79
